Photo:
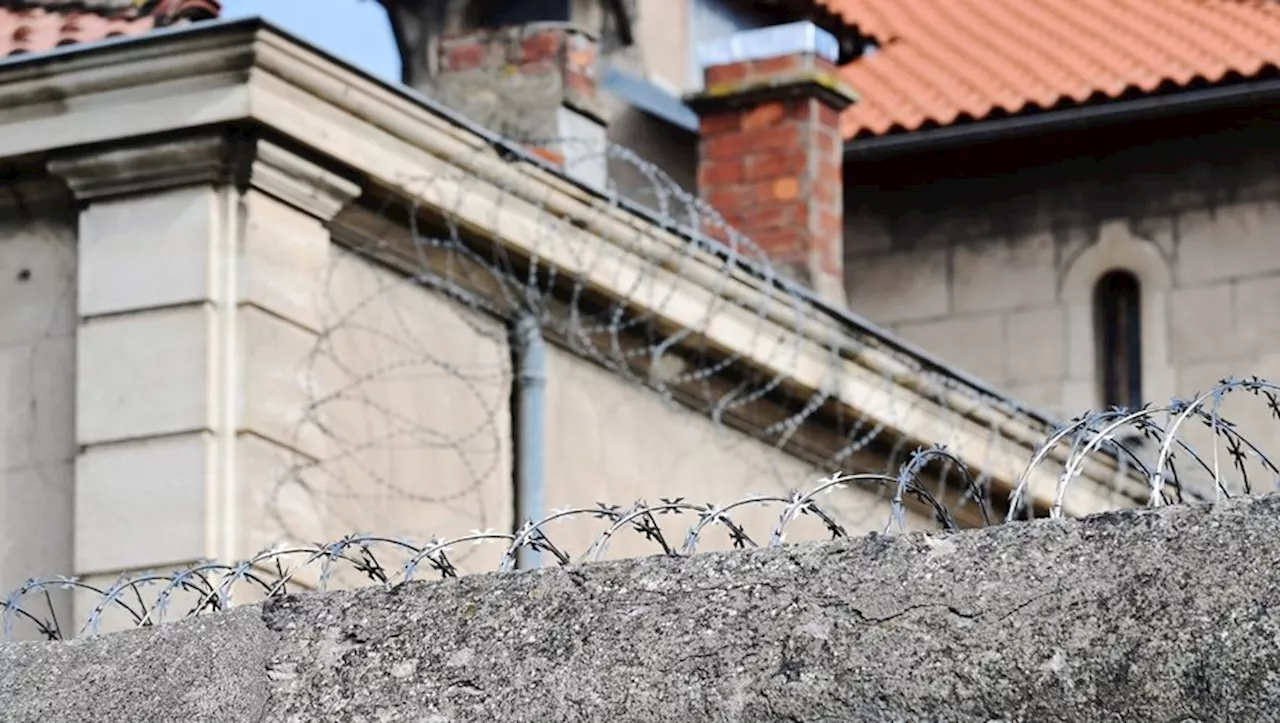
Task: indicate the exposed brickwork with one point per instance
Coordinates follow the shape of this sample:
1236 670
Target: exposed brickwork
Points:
770 161
512 78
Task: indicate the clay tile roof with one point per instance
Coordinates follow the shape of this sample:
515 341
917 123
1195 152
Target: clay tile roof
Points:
33 26
942 62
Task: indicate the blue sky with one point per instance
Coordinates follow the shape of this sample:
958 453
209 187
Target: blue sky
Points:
355 30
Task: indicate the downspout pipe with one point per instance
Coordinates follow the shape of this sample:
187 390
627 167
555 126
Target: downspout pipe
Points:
530 351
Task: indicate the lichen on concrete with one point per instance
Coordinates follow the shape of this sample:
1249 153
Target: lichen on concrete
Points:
1162 614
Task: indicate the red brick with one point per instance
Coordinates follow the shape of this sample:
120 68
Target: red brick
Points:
764 217
730 73
715 230
716 173
773 171
783 137
829 169
728 145
828 225
776 66
830 256
825 194
760 166
719 123
784 242
825 142
785 189
464 56
729 199
763 116
819 112
542 45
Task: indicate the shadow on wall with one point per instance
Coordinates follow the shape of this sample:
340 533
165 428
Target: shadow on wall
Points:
670 149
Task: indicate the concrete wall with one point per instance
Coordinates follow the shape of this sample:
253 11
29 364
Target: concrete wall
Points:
37 381
1153 615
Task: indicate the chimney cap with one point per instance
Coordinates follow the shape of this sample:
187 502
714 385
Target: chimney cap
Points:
798 38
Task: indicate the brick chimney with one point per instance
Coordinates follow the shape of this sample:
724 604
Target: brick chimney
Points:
534 83
769 155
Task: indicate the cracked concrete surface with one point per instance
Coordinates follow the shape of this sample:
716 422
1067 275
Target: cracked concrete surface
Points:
1165 615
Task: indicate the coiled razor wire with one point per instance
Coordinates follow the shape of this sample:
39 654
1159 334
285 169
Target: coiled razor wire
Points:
149 598
1232 467
381 334
378 330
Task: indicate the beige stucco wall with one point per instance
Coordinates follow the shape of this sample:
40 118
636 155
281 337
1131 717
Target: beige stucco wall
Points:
617 442
37 377
409 394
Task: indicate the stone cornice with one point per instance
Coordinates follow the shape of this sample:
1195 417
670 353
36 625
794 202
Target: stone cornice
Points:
154 165
299 182
147 166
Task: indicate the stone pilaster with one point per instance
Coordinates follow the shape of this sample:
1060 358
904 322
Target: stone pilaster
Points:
199 260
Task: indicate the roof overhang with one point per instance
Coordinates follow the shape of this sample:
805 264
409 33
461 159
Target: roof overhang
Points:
233 73
1086 117
650 98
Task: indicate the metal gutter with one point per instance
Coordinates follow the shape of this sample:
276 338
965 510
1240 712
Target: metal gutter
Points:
517 152
1084 117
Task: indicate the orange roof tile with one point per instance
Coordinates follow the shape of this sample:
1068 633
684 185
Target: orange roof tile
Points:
942 62
32 27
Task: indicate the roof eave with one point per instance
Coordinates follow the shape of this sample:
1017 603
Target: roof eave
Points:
1237 95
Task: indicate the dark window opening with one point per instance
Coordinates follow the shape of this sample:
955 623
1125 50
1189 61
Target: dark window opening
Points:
1118 331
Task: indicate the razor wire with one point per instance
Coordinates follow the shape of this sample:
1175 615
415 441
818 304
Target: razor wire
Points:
407 427
1232 465
149 598
422 305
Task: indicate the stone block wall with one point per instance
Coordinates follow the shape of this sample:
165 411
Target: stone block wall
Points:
993 268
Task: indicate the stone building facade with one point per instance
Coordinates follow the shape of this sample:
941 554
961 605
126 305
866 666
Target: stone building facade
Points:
219 324
997 265
173 202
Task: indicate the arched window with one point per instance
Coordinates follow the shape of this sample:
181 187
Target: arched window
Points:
1118 332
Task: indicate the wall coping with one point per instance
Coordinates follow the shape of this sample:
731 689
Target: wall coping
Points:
1135 615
